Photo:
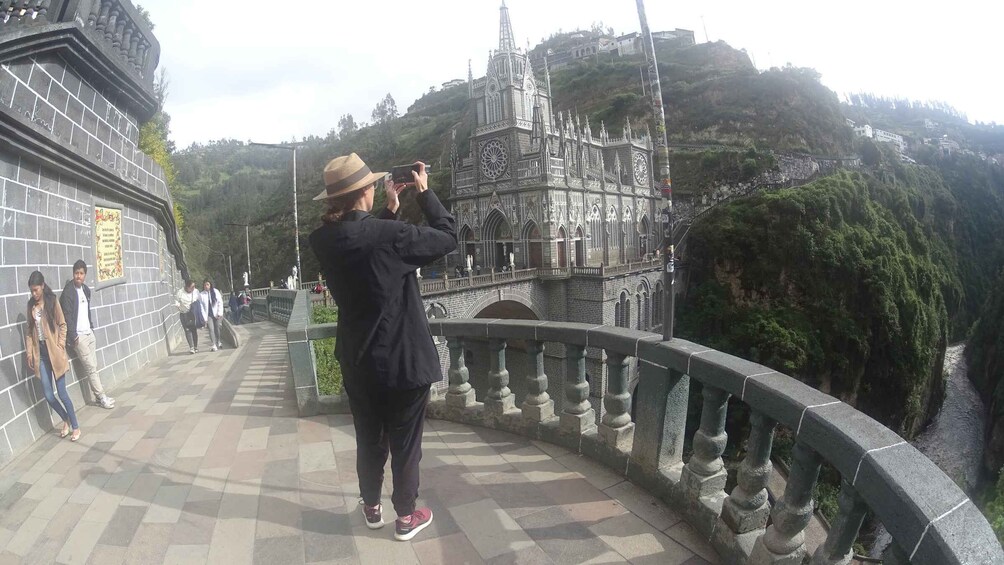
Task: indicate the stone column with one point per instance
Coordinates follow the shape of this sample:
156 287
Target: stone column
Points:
705 473
784 541
661 419
499 399
538 406
578 415
839 546
747 508
460 394
616 428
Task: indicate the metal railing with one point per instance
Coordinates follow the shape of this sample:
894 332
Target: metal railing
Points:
930 518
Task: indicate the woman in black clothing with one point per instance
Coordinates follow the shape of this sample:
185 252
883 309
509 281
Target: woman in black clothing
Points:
386 352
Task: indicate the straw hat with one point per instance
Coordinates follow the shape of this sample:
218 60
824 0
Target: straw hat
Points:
345 174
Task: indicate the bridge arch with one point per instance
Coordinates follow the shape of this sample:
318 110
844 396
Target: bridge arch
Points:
513 302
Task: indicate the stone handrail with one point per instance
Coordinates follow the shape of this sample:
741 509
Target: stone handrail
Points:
430 286
929 517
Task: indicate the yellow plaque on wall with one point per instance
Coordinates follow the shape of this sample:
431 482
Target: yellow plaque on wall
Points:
108 243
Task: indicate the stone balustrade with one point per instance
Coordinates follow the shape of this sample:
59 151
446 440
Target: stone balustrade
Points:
115 26
931 520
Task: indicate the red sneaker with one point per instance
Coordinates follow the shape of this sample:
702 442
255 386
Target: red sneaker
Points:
373 516
408 527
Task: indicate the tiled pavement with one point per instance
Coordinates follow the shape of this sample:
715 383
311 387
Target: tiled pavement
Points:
205 461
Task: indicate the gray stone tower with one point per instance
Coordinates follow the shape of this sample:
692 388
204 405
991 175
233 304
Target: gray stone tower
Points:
537 187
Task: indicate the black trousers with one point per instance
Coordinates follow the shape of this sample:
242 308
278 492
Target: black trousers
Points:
388 421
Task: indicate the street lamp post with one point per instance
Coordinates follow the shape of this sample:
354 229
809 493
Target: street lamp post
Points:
296 218
665 184
247 242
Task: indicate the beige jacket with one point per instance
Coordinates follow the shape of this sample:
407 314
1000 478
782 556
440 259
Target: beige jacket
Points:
55 340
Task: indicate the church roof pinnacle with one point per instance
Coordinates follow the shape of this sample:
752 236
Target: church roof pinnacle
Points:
506 41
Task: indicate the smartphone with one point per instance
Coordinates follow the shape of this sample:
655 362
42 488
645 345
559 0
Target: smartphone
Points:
402 173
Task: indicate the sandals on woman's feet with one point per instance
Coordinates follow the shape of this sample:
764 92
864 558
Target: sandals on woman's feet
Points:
66 430
76 435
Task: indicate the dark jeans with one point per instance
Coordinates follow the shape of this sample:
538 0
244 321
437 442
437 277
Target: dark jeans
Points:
191 332
64 410
388 420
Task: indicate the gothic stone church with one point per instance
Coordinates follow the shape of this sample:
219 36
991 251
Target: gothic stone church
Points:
539 188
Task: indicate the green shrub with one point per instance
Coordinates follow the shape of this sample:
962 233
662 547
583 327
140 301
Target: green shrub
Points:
329 372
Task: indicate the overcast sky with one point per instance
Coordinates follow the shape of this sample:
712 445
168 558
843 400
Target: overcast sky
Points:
273 71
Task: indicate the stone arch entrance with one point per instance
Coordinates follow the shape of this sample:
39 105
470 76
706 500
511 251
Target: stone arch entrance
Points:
534 254
498 240
580 248
562 242
468 247
644 234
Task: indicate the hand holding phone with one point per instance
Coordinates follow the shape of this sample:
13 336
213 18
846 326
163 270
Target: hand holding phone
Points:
414 174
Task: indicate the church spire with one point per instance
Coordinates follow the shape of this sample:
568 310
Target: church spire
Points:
506 41
470 79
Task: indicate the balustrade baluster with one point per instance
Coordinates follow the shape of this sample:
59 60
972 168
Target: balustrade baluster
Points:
141 55
106 7
705 473
92 15
133 49
119 30
499 399
616 428
460 393
578 415
113 18
127 41
839 546
538 406
747 508
784 540
42 9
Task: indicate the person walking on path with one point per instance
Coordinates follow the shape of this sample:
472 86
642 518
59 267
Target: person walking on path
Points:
76 303
383 344
184 300
45 350
211 302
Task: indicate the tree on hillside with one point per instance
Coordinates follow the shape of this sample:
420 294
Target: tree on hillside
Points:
385 110
154 140
346 126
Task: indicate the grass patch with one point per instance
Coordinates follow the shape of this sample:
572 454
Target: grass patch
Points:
329 372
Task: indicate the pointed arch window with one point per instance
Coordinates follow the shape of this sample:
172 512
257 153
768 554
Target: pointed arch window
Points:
595 229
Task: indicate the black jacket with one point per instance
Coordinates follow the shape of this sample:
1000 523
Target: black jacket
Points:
383 333
68 301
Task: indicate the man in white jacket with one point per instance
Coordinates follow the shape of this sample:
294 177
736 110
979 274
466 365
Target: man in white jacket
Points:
183 300
212 311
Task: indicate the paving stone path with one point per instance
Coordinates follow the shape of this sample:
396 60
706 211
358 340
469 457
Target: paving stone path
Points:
205 461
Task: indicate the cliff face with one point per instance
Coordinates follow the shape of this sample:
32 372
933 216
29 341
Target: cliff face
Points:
839 283
986 369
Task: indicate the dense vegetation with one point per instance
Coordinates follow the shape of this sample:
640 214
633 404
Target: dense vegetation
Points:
329 372
836 283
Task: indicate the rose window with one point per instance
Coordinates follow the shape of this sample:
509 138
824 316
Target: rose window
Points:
494 159
640 169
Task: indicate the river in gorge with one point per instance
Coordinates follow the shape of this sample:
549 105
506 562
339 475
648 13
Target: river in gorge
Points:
954 439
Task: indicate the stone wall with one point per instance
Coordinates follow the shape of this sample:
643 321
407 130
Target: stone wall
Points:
67 147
